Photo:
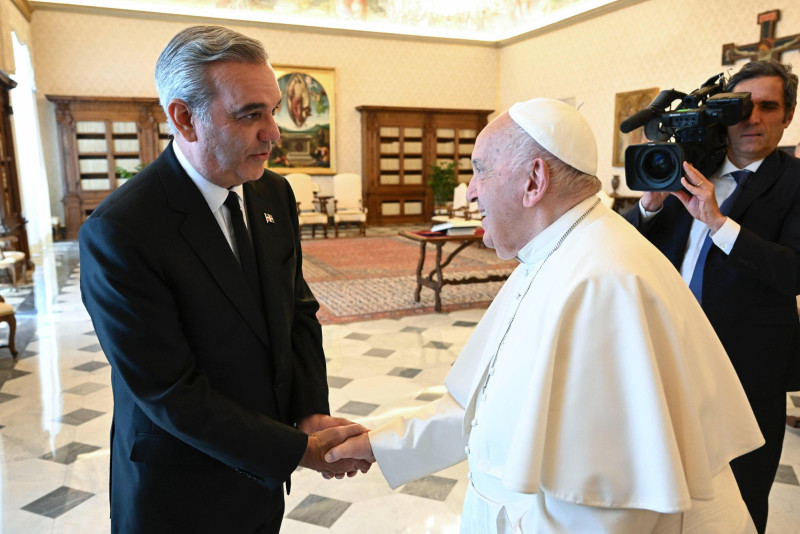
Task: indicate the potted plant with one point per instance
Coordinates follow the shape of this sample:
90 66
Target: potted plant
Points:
443 182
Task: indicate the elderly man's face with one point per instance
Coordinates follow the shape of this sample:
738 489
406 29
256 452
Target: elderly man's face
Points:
498 190
240 130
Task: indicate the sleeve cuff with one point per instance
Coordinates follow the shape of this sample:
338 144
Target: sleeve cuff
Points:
647 215
726 236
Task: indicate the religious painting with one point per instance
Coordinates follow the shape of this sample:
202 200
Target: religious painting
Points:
306 119
626 104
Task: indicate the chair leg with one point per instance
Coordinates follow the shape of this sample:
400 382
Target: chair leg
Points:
336 229
12 330
325 230
12 272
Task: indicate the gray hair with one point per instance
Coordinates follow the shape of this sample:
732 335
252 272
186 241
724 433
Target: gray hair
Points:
182 66
759 69
569 182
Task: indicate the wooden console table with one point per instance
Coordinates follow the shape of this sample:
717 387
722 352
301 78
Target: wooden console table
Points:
435 279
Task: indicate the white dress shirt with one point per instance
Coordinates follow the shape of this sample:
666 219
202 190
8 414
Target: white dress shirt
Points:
215 196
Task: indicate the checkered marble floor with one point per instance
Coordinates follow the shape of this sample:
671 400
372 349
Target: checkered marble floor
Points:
55 414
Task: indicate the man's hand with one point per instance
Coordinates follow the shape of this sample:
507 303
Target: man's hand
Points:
357 447
702 204
316 422
322 441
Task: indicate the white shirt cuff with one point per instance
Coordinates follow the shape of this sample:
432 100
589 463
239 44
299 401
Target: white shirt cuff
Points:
726 236
647 215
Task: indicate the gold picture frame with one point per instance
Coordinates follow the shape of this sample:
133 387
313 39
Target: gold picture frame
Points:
306 118
625 105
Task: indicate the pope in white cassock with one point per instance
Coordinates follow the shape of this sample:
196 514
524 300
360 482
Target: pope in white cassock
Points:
593 396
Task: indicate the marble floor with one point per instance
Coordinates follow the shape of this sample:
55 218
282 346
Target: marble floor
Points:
55 413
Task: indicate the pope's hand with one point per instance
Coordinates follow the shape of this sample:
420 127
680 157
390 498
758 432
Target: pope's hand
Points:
357 447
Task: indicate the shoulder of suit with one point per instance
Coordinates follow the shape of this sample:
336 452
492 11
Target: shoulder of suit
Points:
272 177
142 192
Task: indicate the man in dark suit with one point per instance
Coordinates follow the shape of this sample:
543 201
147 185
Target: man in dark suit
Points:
218 370
748 275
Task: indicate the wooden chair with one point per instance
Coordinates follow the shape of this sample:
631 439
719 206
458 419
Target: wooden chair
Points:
7 316
303 189
347 202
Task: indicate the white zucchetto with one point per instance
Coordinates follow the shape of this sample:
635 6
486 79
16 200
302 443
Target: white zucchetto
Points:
560 129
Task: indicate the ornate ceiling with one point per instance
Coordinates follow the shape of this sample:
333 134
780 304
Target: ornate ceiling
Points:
473 20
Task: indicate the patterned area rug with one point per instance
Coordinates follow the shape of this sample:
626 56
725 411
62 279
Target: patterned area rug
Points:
367 278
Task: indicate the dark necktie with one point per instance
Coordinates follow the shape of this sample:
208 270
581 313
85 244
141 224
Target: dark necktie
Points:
247 257
696 284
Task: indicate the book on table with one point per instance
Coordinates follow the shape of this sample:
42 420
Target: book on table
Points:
457 227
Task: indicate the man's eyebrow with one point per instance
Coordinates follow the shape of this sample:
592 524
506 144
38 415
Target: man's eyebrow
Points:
247 108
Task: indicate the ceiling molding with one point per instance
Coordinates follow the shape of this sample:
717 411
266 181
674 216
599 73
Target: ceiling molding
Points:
24 7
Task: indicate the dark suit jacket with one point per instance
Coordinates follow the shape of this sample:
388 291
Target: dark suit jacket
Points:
749 295
207 377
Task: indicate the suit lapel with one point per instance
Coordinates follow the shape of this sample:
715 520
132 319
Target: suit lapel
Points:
202 233
761 181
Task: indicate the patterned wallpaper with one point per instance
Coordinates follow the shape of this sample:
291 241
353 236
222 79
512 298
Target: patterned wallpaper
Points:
648 43
11 20
665 44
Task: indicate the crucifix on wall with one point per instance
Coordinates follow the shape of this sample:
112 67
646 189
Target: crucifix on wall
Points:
769 47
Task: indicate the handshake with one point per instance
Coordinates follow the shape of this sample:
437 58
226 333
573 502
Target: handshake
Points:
336 446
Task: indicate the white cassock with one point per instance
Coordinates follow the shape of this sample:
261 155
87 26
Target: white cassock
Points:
612 407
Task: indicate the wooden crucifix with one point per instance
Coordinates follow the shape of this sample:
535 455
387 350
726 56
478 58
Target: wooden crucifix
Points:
768 47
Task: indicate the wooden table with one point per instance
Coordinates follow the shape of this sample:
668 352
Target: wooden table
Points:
435 279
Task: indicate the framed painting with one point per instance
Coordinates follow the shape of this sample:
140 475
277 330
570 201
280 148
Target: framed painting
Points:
306 118
626 104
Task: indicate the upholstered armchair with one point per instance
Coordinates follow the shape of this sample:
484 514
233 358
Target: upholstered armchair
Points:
347 202
7 316
307 205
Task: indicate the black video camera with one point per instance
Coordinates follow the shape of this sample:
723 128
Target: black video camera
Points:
695 131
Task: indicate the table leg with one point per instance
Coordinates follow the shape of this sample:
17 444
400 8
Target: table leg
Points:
437 289
420 264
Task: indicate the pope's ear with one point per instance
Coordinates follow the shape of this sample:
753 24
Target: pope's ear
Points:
182 117
537 183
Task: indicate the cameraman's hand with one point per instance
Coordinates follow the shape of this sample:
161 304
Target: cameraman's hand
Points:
702 204
653 200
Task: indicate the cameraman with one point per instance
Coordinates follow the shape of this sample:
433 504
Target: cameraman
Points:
747 275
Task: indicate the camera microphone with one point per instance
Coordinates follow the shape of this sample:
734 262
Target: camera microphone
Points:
643 116
640 118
